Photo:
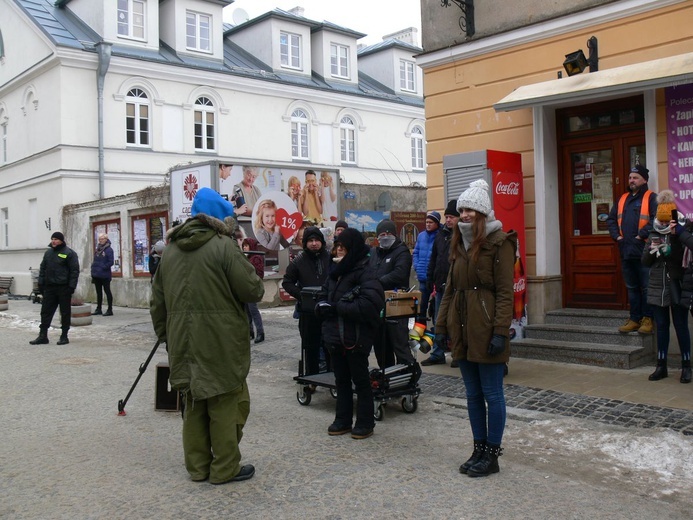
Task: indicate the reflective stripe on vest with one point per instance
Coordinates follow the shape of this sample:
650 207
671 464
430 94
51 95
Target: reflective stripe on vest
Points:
644 210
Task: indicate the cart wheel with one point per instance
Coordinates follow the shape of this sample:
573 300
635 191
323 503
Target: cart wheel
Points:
379 412
333 393
304 397
409 404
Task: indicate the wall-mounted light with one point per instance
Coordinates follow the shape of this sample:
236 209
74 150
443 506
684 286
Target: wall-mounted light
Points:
575 62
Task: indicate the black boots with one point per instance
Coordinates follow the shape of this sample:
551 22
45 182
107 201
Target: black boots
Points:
63 339
479 447
488 463
686 371
260 337
660 372
42 338
109 312
97 312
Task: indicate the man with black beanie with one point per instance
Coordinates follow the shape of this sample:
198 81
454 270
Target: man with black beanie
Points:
57 281
438 267
308 269
391 261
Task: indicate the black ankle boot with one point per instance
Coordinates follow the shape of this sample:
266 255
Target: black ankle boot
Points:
96 312
488 463
660 372
109 312
63 339
479 447
686 371
42 339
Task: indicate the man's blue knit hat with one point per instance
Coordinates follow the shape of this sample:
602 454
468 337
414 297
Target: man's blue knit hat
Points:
210 203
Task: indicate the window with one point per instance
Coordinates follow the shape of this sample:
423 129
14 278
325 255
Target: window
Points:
112 229
137 118
347 131
5 223
406 75
290 50
2 47
198 32
299 135
339 60
131 18
3 144
204 124
147 230
417 148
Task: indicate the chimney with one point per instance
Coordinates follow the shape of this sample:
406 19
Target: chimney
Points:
408 35
298 10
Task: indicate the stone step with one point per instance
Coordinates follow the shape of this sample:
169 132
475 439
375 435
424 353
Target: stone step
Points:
601 355
586 334
596 317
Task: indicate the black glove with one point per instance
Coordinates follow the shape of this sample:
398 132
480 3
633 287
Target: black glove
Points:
325 310
497 345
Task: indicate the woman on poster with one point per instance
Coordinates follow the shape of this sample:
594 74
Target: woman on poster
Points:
328 196
267 231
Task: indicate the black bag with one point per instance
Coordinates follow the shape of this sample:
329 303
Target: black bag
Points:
686 295
310 296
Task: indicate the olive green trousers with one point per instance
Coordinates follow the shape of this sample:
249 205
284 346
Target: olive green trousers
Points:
212 431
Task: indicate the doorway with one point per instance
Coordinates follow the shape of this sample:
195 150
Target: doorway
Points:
598 145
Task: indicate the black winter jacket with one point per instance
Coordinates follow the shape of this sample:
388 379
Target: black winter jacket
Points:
307 270
439 263
392 266
359 300
60 266
630 247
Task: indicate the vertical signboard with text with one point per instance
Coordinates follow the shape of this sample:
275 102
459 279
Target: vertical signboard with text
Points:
679 111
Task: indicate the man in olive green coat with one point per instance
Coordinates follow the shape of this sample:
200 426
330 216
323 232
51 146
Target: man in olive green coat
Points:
197 307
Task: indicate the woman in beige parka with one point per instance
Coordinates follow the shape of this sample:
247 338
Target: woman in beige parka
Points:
475 314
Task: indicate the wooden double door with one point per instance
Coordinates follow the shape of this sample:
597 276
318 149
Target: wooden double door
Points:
595 163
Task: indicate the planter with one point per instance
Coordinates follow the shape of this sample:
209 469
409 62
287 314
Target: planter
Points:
81 315
4 302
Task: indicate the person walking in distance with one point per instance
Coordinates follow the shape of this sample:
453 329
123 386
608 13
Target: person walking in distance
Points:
664 257
630 223
58 276
198 309
436 277
475 313
101 274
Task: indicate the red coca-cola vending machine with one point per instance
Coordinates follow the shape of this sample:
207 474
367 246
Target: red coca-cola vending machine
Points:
503 173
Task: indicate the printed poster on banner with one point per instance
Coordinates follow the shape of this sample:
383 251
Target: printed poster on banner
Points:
679 112
184 186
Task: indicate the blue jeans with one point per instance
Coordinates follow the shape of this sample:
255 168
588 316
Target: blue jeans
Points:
484 385
637 276
438 351
679 316
423 305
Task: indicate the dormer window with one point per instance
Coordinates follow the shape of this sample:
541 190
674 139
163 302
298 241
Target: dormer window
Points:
198 32
290 50
407 79
131 18
339 60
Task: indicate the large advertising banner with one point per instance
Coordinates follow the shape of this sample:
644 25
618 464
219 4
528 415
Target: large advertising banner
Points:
184 185
679 111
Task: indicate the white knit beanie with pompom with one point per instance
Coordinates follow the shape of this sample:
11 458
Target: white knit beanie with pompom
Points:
475 197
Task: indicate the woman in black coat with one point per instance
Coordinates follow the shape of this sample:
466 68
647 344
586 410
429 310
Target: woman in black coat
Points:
351 314
101 274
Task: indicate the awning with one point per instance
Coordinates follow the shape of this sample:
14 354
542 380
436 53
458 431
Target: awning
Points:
616 82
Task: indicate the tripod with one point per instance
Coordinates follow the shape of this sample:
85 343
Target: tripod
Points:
143 368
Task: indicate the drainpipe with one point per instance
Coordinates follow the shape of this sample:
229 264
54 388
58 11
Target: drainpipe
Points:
104 51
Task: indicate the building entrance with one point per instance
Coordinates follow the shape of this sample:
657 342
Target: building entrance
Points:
598 145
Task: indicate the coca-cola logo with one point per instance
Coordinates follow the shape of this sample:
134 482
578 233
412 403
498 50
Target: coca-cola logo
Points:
520 285
507 189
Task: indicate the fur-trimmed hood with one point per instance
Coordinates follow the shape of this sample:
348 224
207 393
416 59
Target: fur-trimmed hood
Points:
198 230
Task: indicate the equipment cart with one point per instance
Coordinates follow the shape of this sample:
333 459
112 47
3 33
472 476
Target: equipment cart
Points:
396 382
35 296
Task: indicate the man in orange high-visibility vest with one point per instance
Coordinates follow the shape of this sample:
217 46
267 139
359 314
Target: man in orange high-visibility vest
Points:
630 223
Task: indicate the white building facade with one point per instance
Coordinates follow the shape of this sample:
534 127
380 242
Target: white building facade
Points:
101 99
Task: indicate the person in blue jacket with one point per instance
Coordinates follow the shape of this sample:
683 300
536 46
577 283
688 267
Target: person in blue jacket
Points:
421 256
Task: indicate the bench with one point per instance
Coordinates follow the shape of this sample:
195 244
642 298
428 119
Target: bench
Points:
6 283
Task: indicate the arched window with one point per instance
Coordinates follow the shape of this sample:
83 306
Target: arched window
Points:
137 118
3 136
205 134
347 138
2 47
299 135
417 148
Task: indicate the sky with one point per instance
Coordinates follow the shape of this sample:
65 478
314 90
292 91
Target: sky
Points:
373 17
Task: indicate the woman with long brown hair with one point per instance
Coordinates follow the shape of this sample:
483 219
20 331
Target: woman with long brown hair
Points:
475 314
